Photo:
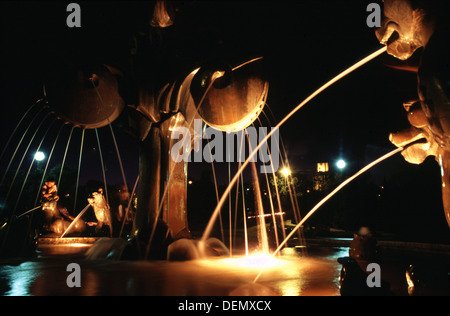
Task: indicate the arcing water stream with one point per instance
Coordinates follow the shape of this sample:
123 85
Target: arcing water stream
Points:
216 212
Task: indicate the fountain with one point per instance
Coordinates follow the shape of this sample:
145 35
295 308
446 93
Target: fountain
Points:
229 98
407 28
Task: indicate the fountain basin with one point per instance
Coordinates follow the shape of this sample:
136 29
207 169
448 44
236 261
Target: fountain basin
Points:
316 274
211 277
51 246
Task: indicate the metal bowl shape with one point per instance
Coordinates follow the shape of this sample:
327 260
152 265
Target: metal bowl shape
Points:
230 99
87 97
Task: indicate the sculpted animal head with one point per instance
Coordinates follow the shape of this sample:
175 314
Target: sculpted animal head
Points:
406 27
97 198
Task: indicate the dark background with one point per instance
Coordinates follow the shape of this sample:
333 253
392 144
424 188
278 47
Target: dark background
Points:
304 43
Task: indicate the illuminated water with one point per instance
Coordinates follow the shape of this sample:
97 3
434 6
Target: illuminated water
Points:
75 220
216 212
290 275
214 277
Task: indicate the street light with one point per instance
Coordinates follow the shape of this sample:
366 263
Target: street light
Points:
341 164
286 172
39 156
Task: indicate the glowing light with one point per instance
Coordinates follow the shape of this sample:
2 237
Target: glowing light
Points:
265 215
216 212
39 156
77 245
322 167
410 283
286 172
318 205
341 164
256 261
442 169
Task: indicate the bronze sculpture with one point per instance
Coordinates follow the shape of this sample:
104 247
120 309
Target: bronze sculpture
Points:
408 26
101 209
227 97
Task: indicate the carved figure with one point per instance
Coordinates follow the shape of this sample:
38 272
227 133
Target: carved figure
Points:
407 26
101 210
157 99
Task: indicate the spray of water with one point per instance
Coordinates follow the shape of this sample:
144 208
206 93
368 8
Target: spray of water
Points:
29 211
329 196
118 156
23 156
103 166
17 126
210 225
64 157
79 169
29 169
75 220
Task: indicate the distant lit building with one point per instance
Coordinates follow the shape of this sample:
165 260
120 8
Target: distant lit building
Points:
322 167
321 176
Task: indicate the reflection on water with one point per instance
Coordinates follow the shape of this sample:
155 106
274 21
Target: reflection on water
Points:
288 275
21 278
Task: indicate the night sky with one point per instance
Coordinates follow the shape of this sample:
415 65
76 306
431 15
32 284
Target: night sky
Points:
304 43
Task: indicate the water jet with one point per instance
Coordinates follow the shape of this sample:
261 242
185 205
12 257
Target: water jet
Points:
150 100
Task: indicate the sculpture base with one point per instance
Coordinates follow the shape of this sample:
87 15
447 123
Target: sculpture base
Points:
72 246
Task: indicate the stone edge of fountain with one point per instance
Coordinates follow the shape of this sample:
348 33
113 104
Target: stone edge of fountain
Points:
66 240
